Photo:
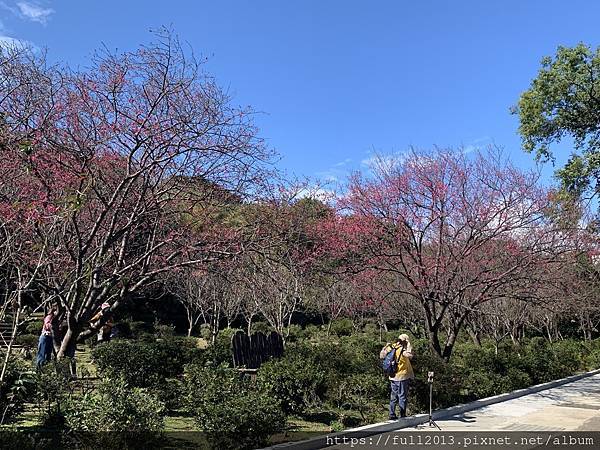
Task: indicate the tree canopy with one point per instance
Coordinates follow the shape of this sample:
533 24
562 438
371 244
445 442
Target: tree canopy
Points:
564 101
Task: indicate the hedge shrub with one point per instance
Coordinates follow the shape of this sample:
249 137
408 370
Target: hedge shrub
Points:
18 387
116 407
342 327
144 363
231 411
219 353
295 381
115 416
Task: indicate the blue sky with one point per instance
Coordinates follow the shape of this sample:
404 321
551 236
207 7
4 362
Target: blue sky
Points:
338 80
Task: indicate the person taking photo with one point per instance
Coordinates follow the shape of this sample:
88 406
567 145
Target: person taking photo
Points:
400 380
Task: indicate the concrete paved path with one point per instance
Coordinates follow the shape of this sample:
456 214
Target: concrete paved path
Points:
573 406
570 407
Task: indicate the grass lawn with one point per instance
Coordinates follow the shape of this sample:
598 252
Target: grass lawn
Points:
83 356
180 423
300 429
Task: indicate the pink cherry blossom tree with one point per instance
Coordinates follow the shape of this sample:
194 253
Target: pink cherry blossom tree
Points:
456 230
134 155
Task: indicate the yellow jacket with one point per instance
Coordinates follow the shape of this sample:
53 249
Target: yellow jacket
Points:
405 370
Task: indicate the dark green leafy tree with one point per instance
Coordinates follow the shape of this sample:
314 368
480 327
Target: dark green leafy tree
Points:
564 101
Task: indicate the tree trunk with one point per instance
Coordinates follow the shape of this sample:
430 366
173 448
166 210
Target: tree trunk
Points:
190 318
214 323
450 342
549 333
514 338
448 347
434 340
250 317
475 337
67 341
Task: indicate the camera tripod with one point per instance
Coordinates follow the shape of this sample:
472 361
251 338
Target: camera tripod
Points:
430 382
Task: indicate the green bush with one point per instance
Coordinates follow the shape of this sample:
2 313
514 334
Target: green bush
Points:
514 379
537 359
140 329
123 329
569 355
11 438
296 382
446 387
231 411
116 407
205 331
295 333
311 331
17 389
363 393
366 352
53 393
164 331
592 358
392 336
144 363
342 327
482 370
34 327
170 392
371 329
27 340
473 372
306 333
262 327
219 353
341 372
133 416
594 344
480 384
338 359
299 334
348 355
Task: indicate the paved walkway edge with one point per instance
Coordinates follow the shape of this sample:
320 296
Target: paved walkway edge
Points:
386 427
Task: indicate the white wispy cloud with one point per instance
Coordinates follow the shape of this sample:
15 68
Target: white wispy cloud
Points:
316 193
328 176
34 12
336 172
11 42
343 163
383 160
9 8
477 144
6 41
